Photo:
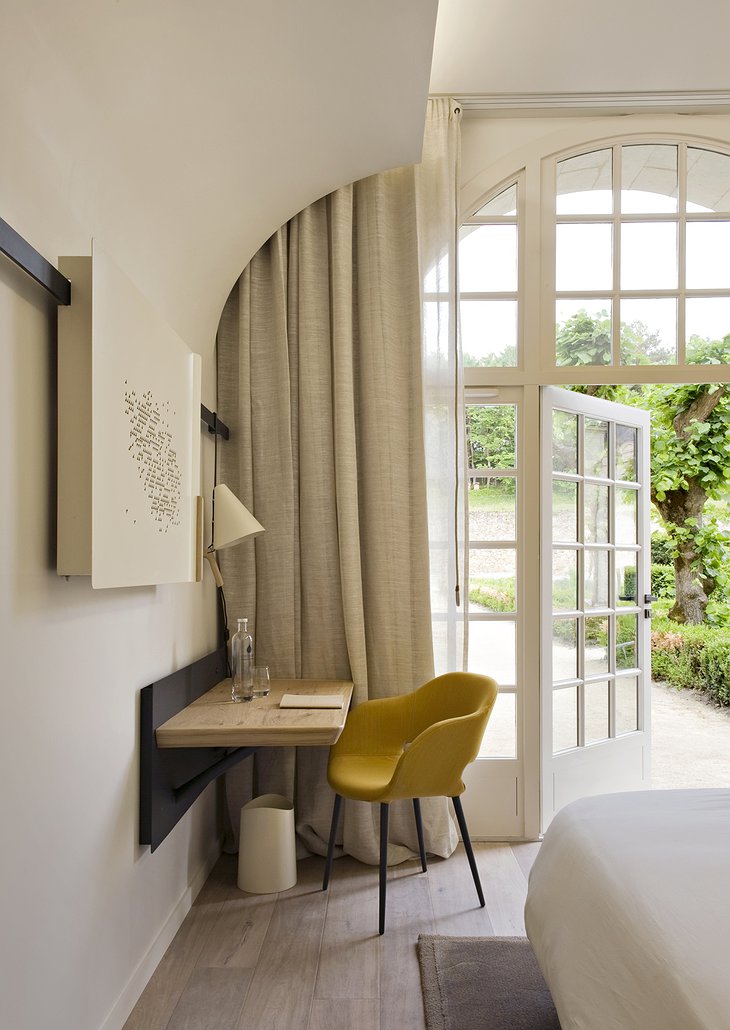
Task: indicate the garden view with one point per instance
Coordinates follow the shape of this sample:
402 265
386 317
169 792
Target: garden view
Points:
690 494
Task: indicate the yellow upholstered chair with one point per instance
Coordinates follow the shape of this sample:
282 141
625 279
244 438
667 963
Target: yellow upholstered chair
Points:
412 746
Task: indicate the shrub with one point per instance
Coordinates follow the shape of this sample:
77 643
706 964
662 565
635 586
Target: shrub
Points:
496 595
692 656
662 581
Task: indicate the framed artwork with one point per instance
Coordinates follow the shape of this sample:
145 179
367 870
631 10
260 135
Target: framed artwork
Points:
142 447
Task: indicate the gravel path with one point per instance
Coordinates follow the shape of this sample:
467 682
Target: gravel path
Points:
690 739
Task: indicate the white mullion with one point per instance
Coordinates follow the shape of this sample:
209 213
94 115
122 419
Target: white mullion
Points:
682 254
581 573
616 305
489 295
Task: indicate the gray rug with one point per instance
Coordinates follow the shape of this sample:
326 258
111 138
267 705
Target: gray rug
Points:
483 983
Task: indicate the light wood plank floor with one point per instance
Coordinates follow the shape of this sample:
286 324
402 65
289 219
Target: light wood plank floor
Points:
312 960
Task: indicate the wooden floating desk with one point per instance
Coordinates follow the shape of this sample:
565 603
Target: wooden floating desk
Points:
213 720
191 733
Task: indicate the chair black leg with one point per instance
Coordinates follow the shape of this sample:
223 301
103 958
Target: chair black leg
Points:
468 848
331 845
419 831
384 810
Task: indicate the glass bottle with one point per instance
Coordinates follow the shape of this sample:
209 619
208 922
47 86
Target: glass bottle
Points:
242 663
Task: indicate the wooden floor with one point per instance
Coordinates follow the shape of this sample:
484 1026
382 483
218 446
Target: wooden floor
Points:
312 960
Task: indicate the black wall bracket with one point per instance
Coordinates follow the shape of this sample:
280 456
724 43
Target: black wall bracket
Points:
213 423
28 258
171 779
47 275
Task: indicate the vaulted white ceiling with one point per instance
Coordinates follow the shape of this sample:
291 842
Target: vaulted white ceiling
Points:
183 133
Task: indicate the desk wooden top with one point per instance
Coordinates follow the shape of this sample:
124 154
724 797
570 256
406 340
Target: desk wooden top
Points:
215 721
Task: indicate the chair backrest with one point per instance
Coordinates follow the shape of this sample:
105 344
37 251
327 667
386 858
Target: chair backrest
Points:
448 719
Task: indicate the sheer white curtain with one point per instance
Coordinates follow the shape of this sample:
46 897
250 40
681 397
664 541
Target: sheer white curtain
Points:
321 381
437 212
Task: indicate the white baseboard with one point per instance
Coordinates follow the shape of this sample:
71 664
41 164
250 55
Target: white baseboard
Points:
148 964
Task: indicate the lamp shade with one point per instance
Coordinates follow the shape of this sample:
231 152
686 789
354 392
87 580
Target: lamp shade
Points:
232 521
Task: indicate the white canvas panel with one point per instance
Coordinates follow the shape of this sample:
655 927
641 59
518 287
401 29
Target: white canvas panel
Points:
145 438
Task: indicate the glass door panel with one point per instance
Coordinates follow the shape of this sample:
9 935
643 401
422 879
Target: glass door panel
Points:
595 533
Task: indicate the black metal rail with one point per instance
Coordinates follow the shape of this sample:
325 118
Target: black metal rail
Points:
26 257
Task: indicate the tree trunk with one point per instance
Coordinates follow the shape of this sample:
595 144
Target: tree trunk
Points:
692 593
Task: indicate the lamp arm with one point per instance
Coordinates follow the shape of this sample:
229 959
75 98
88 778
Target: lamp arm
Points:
214 567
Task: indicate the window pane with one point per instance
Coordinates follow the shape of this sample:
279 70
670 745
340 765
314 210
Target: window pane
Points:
583 258
648 179
627 704
488 259
582 332
626 573
596 650
565 512
708 180
649 332
708 256
491 503
596 579
492 579
625 453
565 580
492 650
505 203
596 711
490 436
626 516
565 649
565 718
626 642
565 441
707 319
596 448
595 514
500 736
584 184
489 332
649 256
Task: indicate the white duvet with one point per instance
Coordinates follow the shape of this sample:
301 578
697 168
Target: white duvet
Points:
628 911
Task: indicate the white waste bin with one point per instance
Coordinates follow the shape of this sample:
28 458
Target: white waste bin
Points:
267 860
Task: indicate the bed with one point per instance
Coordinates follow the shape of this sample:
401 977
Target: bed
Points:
628 911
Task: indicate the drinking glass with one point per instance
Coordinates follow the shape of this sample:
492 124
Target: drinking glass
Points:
261 682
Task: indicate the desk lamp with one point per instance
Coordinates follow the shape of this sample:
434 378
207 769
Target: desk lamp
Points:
232 522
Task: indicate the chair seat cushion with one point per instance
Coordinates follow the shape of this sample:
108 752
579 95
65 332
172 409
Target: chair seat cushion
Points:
362 777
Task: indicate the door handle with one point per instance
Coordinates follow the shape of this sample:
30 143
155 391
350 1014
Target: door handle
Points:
648 598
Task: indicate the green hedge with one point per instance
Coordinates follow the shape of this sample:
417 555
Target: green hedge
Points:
692 656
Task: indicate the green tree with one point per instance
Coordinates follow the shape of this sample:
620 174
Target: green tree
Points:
690 465
584 340
490 435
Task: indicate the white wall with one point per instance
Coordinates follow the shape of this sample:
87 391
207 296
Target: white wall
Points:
81 904
181 139
576 47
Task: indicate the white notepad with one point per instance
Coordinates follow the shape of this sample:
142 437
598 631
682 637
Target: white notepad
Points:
311 701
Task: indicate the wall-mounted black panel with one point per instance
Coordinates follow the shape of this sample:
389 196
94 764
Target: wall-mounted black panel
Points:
171 779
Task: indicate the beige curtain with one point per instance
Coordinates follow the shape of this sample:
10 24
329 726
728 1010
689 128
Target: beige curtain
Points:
320 379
